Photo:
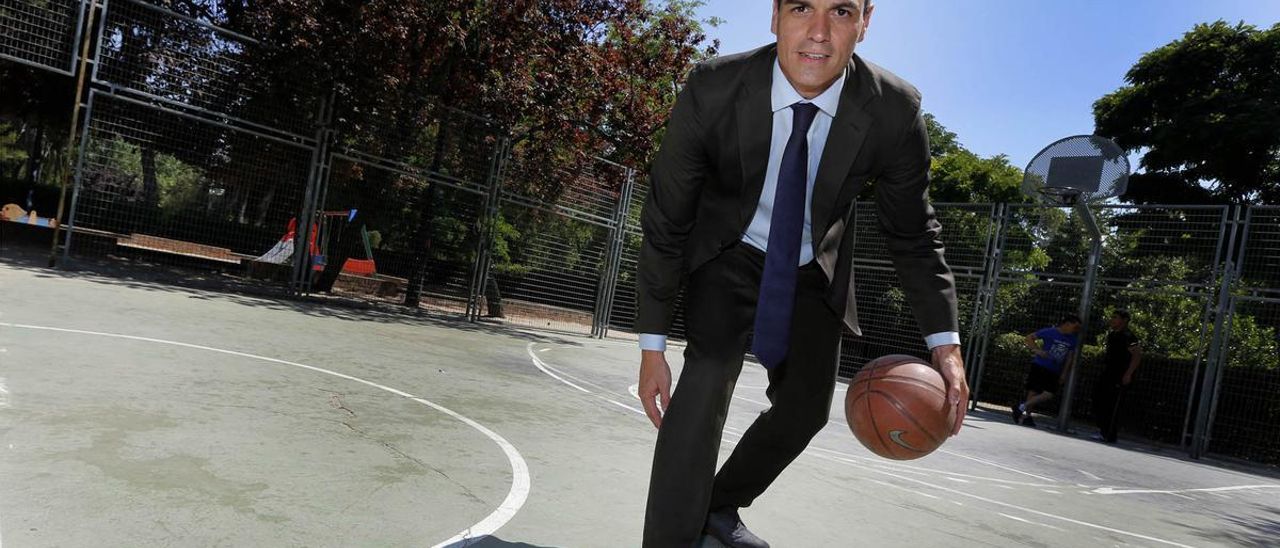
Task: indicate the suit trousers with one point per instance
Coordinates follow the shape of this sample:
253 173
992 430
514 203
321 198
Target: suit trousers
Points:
720 312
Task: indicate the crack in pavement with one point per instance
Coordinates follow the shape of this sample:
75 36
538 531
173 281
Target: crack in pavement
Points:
396 450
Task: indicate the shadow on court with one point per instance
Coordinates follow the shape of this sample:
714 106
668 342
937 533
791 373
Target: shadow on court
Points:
218 286
1259 527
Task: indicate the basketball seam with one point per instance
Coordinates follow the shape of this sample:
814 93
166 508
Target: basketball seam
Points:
875 427
917 382
903 411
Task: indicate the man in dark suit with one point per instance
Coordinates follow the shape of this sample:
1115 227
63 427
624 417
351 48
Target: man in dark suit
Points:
752 199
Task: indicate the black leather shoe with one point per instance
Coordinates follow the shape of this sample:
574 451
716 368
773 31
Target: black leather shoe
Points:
725 526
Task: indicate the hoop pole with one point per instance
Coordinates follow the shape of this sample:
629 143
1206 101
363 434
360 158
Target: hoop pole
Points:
1086 307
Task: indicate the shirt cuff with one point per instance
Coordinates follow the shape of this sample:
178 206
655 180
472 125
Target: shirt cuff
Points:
940 339
658 343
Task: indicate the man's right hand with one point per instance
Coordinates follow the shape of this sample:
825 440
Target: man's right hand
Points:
655 384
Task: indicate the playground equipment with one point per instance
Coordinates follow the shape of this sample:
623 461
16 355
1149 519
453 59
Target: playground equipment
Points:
15 214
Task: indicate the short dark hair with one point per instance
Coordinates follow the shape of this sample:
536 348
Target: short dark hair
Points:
1070 318
866 5
1122 314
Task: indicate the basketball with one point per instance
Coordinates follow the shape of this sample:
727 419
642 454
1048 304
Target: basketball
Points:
897 407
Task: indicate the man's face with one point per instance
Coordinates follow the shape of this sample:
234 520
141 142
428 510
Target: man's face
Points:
1118 323
816 39
1070 328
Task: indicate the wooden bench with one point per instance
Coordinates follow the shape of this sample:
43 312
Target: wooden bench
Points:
180 248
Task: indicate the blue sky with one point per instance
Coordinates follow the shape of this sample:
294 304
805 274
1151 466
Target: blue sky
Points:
1010 76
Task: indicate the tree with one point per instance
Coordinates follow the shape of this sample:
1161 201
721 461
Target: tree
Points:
570 79
1205 112
35 117
962 176
958 175
941 140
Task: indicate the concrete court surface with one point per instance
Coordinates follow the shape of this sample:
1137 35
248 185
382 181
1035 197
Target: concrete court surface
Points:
140 414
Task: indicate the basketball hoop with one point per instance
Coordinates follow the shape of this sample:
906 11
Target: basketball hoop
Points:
1087 166
1076 170
1061 195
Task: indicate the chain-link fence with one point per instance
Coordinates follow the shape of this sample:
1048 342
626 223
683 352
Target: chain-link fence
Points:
1244 377
553 245
41 34
193 152
888 325
1036 280
1160 264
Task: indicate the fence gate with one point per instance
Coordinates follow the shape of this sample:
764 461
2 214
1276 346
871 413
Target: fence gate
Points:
1242 385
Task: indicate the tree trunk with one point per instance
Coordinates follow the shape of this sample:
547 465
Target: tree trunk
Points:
264 206
35 157
493 297
150 186
422 236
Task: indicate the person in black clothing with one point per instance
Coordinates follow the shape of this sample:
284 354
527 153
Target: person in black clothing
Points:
1123 355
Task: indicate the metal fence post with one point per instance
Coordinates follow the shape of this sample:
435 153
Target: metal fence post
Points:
1226 233
613 260
1219 351
982 335
84 37
79 179
483 264
317 181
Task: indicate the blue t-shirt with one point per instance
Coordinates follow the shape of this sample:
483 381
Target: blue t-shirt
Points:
1058 345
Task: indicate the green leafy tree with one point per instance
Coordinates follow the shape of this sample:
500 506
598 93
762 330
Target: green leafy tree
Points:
1204 111
962 176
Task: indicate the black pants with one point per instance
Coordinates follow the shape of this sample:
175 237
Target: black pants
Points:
721 301
1107 398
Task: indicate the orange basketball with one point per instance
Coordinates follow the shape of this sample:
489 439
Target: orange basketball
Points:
897 407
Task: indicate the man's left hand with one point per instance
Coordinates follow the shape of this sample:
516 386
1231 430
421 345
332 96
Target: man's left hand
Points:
950 363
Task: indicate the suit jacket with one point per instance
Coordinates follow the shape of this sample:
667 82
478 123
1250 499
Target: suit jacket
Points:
707 178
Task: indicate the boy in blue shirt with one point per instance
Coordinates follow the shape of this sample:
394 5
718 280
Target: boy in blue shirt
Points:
1050 367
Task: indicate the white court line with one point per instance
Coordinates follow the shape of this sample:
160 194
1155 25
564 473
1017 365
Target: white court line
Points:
757 402
1021 508
537 362
549 370
1090 476
1113 491
1047 459
914 469
521 482
921 493
997 465
1029 522
625 406
961 455
877 467
1014 518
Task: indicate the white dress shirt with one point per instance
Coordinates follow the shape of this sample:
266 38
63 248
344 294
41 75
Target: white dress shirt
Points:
783 96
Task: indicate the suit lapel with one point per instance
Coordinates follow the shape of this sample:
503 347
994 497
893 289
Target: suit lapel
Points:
755 132
849 131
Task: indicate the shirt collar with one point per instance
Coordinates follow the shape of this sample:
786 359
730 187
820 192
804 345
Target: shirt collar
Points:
784 95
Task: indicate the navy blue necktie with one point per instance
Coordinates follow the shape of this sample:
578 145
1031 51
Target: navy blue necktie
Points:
781 264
